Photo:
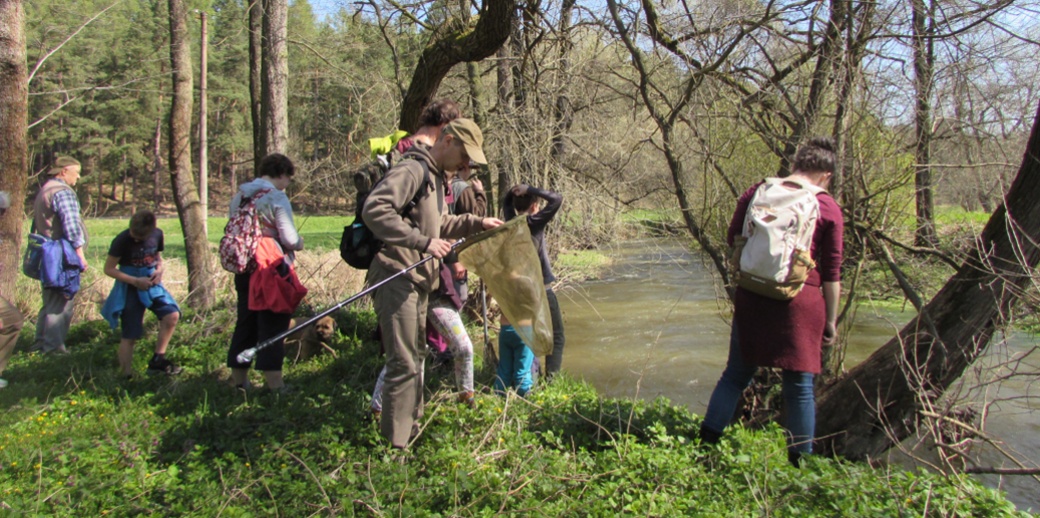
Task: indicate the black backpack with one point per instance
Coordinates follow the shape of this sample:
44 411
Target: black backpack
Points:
358 246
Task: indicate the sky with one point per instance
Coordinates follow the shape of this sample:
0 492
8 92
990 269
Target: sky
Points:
324 8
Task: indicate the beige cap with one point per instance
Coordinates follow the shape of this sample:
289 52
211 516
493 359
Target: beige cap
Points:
469 133
61 163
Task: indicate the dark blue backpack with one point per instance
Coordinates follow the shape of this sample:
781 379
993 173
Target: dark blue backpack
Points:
359 246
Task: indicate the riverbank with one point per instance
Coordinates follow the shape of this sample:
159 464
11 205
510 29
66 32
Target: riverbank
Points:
79 441
653 325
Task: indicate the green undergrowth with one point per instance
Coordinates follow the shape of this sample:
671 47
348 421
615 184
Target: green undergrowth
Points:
80 441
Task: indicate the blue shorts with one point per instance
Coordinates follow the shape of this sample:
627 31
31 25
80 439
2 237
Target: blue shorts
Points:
132 317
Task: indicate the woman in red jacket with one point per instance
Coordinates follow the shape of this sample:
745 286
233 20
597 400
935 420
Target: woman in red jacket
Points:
786 334
280 238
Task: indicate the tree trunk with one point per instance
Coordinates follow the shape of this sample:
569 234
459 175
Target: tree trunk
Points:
201 291
233 174
157 164
858 28
275 79
504 91
924 63
476 94
519 49
563 112
256 45
464 44
878 402
133 193
14 113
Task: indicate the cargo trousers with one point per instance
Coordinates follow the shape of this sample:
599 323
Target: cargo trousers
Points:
401 307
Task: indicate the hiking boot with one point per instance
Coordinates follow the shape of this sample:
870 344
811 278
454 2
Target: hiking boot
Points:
466 398
163 366
709 436
795 458
40 347
284 390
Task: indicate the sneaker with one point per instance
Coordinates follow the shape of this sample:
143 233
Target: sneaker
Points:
163 366
284 390
3 383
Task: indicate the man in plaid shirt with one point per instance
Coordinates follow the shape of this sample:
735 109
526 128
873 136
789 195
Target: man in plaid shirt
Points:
56 216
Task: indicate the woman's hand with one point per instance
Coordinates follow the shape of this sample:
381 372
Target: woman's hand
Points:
830 334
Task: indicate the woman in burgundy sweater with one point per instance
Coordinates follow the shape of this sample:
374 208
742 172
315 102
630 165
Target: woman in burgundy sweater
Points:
786 334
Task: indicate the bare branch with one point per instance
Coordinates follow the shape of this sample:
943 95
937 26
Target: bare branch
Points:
39 63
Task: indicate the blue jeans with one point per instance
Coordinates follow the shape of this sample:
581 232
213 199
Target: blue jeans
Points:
514 362
797 388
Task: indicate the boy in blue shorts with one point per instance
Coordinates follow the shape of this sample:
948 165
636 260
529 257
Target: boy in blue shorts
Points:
135 262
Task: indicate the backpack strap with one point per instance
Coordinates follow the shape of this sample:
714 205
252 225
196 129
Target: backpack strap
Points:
423 189
256 196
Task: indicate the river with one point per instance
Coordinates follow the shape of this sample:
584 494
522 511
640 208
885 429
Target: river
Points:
653 326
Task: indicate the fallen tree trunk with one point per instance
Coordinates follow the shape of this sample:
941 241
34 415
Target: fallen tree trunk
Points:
878 403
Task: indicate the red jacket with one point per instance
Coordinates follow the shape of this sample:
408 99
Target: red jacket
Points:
274 285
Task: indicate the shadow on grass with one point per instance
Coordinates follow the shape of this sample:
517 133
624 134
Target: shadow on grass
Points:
331 395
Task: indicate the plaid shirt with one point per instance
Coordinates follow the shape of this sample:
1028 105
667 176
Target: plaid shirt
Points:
66 205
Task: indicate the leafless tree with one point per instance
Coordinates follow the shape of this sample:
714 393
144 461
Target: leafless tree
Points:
878 403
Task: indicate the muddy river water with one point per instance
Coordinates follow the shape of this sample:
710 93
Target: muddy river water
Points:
653 326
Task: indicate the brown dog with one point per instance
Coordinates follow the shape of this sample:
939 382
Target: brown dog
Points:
311 340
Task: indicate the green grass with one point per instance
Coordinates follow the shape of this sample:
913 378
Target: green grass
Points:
319 233
79 441
953 215
581 264
655 215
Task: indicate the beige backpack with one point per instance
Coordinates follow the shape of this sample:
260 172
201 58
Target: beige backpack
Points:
771 256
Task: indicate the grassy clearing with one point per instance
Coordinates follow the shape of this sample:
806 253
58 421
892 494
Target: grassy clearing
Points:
319 233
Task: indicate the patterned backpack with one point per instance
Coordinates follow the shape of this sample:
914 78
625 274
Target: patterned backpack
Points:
771 256
241 236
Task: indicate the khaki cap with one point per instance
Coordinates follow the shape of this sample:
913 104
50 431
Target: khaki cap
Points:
61 163
469 133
